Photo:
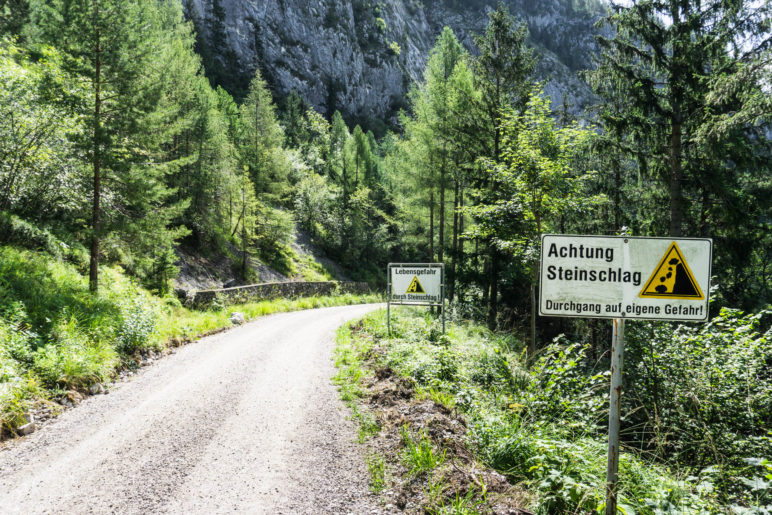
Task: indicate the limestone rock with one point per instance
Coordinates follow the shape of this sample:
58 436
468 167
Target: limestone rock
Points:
342 54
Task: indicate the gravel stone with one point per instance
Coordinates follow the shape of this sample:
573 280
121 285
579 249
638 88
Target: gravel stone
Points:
246 421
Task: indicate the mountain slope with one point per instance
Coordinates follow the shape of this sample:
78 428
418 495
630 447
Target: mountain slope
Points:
361 57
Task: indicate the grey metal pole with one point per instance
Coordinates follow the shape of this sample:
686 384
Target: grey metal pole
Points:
388 317
388 301
442 297
443 316
617 359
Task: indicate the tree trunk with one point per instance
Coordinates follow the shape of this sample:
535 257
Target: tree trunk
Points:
493 299
454 260
441 242
243 234
93 276
486 293
534 301
676 199
617 195
676 97
704 232
431 225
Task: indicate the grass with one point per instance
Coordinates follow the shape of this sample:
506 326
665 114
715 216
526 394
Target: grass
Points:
468 504
348 359
311 270
376 466
481 375
179 322
56 336
419 454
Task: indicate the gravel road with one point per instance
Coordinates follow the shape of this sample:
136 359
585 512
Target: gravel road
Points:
246 421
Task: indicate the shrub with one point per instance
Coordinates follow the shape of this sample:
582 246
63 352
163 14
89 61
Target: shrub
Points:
702 395
275 230
138 326
72 360
563 389
14 230
17 396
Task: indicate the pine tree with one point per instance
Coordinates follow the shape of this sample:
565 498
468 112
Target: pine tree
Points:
503 72
110 45
661 60
261 145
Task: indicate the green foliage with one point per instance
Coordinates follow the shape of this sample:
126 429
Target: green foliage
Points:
261 143
563 390
54 334
349 360
685 115
419 454
72 359
544 427
376 466
40 176
275 232
700 396
137 327
16 231
13 16
17 397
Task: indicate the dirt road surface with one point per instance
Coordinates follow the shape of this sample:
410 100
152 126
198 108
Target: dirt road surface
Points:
246 421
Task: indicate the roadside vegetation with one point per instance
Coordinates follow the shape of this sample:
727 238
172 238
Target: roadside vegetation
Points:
56 336
701 444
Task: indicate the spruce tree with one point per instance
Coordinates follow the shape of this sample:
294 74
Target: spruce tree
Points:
503 73
262 141
661 60
110 46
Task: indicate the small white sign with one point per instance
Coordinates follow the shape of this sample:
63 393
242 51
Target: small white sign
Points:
416 283
625 277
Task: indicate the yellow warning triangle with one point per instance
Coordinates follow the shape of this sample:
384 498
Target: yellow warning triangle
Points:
415 286
672 279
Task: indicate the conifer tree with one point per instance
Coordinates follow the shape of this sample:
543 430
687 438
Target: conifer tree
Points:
261 145
662 58
503 73
110 45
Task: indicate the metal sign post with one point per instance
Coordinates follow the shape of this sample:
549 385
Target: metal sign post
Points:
615 397
415 284
623 278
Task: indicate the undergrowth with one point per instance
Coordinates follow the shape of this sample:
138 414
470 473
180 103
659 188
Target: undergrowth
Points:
56 336
544 427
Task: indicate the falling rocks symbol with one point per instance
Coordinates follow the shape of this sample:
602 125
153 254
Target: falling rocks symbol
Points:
672 278
415 286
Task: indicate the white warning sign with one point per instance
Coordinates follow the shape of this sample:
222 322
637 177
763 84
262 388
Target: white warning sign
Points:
625 277
416 283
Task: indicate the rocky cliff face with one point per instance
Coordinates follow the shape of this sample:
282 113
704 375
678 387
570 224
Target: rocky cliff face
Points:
361 56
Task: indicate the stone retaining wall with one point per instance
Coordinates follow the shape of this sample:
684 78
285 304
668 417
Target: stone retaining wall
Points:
265 291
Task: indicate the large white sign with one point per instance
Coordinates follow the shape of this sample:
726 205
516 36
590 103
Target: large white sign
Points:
625 277
416 283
